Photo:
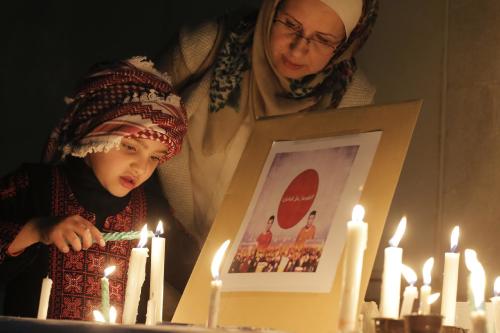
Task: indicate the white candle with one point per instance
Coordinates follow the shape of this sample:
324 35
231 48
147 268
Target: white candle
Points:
105 292
357 233
410 293
425 290
43 303
151 313
157 272
135 278
391 277
477 285
213 310
495 302
98 316
450 280
112 315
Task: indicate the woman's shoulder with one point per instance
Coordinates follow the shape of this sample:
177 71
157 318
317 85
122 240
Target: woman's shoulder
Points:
359 92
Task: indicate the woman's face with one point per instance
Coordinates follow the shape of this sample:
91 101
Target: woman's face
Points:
304 36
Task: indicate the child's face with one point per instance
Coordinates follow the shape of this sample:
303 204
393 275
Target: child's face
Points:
122 169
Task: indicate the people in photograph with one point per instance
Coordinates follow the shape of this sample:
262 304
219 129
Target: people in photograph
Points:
266 236
123 121
308 231
293 56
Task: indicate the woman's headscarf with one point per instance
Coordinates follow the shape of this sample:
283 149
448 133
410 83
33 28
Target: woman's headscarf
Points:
115 100
245 79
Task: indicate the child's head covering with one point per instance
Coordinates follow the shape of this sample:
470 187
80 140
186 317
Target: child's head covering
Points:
115 100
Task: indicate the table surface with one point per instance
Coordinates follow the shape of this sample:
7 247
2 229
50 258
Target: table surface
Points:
31 325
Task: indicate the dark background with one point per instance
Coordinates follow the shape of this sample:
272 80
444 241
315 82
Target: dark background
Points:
46 46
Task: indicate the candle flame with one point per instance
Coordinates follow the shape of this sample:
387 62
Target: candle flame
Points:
144 236
409 274
454 238
112 315
109 270
432 298
477 279
217 260
358 213
427 271
159 229
394 242
98 316
470 259
496 286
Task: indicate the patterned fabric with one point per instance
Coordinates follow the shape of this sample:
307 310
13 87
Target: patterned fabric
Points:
76 276
116 100
234 60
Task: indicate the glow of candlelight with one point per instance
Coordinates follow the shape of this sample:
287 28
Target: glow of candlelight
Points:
432 298
144 236
217 261
470 259
112 315
159 228
109 270
496 286
427 270
454 239
98 316
358 213
409 275
394 242
477 277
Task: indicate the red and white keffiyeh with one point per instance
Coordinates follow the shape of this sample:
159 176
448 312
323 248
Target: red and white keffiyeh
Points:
115 100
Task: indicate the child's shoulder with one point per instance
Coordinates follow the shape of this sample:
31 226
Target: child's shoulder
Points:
30 172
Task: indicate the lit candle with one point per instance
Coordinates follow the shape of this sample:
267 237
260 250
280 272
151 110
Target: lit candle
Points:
157 273
391 277
495 301
98 316
432 299
450 280
112 315
105 292
43 303
357 233
213 310
411 292
477 285
135 278
425 290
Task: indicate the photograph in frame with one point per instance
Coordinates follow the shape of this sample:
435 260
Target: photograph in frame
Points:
299 312
293 233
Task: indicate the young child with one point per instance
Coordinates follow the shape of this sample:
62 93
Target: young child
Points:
122 122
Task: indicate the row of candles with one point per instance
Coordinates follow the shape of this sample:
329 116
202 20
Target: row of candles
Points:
357 232
135 278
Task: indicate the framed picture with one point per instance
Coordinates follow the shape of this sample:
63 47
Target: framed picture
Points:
293 232
269 181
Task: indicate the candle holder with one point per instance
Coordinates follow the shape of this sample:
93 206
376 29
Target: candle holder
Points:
423 323
452 329
389 325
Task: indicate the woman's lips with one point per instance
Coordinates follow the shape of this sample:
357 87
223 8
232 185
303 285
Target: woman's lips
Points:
127 182
289 64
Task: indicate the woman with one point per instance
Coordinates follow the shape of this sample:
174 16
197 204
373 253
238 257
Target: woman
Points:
296 56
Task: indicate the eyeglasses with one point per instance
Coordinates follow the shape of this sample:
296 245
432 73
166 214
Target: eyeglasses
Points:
320 42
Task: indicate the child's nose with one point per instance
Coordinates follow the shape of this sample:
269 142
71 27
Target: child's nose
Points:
139 165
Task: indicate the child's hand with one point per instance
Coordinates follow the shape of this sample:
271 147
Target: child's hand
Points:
74 231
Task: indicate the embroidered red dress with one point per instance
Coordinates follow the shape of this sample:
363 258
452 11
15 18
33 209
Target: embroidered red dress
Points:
40 191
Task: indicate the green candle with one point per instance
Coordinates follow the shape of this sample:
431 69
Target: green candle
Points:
119 236
105 292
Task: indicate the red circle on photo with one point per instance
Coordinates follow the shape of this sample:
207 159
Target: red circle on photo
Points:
298 198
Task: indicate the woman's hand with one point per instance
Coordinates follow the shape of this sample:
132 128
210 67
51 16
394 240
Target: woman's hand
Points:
74 231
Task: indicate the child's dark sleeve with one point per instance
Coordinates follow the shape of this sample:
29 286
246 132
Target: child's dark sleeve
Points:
18 202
